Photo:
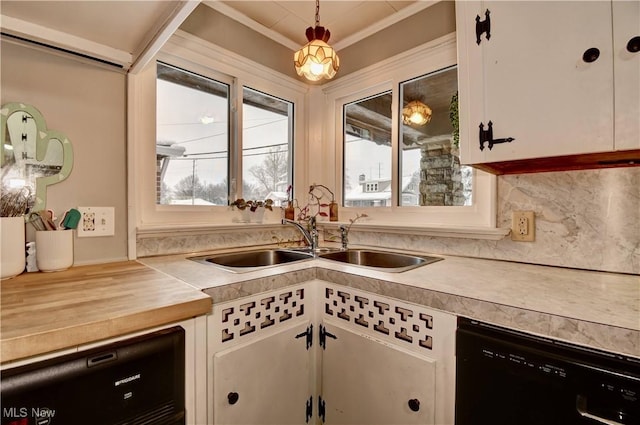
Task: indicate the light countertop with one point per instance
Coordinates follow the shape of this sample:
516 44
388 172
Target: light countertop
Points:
45 312
597 309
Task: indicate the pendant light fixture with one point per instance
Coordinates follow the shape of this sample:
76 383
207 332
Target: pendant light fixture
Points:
416 113
316 59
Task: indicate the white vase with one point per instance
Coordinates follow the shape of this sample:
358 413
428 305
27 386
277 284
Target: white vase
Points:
258 215
54 250
245 215
13 251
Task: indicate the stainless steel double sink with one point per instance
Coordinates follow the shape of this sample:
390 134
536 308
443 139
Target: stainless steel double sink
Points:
372 259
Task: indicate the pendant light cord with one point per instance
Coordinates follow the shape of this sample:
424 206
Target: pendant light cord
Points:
317 13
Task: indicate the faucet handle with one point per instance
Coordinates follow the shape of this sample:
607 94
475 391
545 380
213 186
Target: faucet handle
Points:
344 236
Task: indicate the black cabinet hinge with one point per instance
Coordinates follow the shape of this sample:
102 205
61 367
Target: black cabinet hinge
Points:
321 408
308 335
324 334
483 26
487 136
309 408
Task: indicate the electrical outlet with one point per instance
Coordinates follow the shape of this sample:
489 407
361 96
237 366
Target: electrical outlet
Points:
96 221
523 225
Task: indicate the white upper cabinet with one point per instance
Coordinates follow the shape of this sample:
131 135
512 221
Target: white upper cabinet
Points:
547 79
626 66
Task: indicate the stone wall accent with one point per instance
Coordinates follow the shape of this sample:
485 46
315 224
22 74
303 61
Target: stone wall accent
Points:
441 178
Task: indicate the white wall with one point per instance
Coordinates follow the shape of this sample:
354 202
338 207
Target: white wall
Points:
87 102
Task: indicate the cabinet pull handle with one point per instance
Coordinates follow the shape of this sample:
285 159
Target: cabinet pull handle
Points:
591 55
633 45
414 404
233 397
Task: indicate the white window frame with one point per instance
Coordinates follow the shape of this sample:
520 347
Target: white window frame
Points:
196 55
462 221
233 114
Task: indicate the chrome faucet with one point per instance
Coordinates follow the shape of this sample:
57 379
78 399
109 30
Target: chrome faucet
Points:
310 236
344 237
344 230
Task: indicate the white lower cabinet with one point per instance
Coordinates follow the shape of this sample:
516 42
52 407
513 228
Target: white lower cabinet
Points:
391 362
259 367
265 381
320 353
365 381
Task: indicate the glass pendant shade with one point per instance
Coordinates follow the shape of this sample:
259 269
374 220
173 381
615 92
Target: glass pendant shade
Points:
316 60
416 113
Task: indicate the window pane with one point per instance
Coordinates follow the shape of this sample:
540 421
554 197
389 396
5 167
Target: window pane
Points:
367 152
430 171
267 130
192 138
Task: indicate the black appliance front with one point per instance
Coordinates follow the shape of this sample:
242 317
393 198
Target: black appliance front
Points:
505 377
136 381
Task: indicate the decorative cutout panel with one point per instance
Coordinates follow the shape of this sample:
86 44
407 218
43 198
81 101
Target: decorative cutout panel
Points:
250 315
387 319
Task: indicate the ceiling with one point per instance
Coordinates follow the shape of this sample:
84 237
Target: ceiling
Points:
121 25
349 21
117 32
125 32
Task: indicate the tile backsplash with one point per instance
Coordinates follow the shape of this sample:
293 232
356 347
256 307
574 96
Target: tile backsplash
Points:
584 219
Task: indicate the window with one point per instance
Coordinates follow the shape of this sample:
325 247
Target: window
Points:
192 138
430 173
367 152
266 146
429 170
255 95
195 151
420 183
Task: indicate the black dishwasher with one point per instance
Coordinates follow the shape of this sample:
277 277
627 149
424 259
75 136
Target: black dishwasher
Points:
137 381
508 377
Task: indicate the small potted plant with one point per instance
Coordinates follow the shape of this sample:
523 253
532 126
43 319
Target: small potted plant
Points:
252 210
454 117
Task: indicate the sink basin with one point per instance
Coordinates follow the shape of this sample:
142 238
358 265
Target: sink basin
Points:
380 260
246 261
250 260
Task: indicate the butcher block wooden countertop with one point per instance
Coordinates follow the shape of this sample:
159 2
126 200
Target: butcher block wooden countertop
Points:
44 312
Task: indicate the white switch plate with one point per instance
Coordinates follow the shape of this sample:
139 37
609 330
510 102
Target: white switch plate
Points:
96 221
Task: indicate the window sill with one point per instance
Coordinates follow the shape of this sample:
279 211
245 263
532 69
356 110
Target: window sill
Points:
152 231
486 233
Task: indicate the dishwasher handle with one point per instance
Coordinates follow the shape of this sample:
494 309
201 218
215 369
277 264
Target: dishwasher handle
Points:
581 407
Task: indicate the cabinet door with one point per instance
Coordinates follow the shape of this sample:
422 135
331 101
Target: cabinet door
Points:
265 381
365 381
626 26
530 80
